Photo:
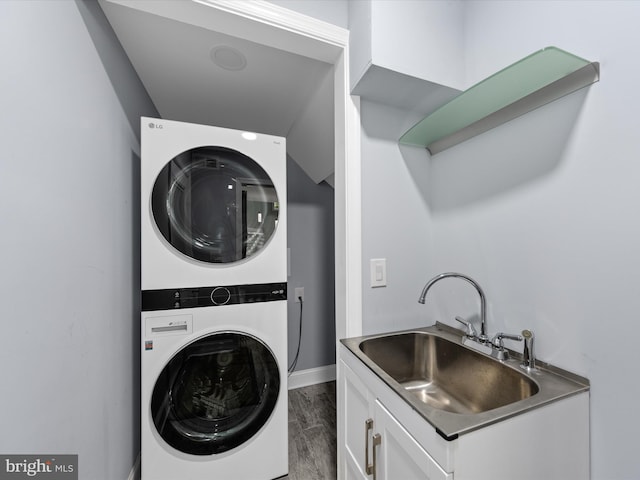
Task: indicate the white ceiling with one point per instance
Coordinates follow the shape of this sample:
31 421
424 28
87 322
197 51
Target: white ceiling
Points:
278 92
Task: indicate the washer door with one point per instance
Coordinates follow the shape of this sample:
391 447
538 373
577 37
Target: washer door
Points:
215 205
215 393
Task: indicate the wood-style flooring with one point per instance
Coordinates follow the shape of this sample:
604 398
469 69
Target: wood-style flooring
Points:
312 432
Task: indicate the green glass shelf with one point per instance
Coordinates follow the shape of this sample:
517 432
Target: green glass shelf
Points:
536 80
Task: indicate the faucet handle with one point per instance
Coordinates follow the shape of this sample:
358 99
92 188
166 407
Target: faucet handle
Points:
471 331
499 351
497 342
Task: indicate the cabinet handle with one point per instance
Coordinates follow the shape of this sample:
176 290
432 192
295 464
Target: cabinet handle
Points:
368 426
377 440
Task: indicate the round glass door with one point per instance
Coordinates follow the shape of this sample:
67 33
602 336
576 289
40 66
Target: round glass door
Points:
215 205
215 394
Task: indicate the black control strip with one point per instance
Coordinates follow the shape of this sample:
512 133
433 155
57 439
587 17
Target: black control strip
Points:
177 298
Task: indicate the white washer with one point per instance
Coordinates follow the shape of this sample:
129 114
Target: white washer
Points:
214 393
212 206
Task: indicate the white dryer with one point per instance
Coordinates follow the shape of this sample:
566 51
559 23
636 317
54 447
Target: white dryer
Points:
212 206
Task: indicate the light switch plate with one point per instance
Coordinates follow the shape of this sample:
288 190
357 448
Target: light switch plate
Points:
378 272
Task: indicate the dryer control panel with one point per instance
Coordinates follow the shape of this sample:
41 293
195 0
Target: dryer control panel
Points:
170 299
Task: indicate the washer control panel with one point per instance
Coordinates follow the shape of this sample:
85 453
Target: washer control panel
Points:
169 299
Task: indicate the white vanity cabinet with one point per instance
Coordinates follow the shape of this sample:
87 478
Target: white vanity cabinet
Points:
400 456
376 445
358 406
550 442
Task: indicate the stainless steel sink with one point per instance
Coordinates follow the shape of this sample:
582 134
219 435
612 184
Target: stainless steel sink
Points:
455 388
445 374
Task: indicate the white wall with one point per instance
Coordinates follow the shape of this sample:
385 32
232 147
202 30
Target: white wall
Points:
69 282
417 38
395 221
542 211
360 40
566 241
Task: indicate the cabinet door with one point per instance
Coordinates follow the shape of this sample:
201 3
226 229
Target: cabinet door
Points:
358 426
399 456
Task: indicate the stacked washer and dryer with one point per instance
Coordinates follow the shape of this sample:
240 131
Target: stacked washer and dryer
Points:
214 315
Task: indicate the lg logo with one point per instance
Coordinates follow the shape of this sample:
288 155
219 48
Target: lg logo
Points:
155 125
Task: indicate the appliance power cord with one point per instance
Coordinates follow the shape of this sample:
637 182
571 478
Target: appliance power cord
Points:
292 367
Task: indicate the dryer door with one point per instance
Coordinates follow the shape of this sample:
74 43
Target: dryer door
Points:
215 393
215 205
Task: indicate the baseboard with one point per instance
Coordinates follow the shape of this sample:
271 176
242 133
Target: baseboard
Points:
134 474
311 376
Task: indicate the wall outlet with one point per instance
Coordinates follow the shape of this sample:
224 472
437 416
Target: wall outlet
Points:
299 292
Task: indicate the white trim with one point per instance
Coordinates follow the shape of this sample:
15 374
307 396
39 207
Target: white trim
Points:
348 212
281 17
312 376
134 474
353 213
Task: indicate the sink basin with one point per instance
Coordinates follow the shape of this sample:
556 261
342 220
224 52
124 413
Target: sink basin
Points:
446 375
456 388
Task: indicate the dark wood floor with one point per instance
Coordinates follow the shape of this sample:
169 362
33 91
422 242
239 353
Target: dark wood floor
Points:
312 432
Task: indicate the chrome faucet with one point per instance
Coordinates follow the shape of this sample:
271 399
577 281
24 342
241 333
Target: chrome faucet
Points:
483 304
495 347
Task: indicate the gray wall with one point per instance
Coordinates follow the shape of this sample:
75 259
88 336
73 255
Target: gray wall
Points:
542 211
69 169
310 238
